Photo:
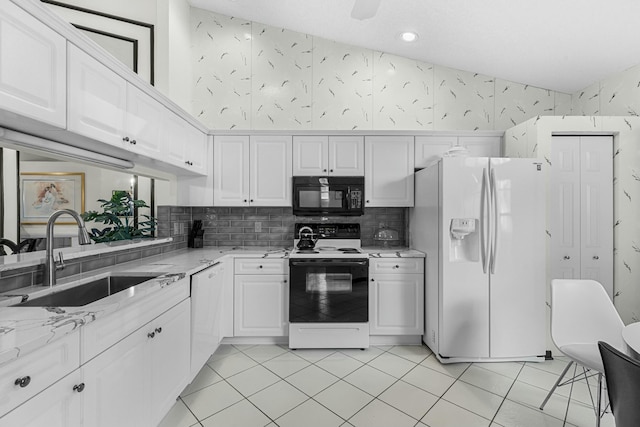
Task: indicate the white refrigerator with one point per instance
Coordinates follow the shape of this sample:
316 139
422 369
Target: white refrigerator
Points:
481 223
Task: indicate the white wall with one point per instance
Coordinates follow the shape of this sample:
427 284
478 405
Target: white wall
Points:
173 60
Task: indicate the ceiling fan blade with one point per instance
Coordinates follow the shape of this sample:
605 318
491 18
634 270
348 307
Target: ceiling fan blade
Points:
365 9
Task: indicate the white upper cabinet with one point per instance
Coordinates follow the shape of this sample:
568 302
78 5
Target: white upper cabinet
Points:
252 171
32 69
97 99
389 163
144 132
430 149
186 145
328 155
231 171
270 171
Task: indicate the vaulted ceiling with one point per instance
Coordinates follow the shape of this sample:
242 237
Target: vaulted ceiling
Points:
563 45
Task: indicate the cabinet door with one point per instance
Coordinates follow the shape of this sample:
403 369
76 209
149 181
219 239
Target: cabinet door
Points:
231 171
170 355
144 133
196 155
346 155
396 304
270 168
97 99
482 146
117 384
261 305
57 406
37 370
206 308
389 165
429 149
32 68
310 155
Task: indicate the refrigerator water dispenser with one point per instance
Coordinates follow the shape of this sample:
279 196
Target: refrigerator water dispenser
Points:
463 245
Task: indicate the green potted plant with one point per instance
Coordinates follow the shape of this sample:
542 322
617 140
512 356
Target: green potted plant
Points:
118 214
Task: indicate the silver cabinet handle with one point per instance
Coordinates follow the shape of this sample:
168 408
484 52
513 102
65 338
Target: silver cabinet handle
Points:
566 257
596 257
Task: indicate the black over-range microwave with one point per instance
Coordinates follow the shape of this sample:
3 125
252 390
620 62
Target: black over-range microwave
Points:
328 195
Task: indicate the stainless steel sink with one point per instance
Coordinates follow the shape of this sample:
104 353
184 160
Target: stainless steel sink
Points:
88 292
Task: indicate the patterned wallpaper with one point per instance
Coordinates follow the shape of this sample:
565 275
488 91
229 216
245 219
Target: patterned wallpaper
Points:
252 76
617 95
533 138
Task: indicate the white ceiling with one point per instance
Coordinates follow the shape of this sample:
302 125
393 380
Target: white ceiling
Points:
563 45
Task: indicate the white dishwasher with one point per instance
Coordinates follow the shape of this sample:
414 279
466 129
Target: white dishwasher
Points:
206 315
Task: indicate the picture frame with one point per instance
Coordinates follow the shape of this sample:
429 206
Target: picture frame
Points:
43 193
130 41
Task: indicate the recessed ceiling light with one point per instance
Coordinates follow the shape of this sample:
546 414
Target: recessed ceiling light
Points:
409 36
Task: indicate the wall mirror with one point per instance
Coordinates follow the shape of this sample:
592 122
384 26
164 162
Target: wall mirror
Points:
33 185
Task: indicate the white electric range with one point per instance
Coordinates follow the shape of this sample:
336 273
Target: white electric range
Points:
329 288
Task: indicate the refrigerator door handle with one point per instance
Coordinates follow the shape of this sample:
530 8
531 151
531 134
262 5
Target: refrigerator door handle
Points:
494 217
485 224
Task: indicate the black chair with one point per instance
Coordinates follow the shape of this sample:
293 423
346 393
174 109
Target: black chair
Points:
622 374
8 243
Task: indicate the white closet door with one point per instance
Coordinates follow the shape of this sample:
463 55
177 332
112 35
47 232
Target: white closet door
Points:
581 223
596 206
565 208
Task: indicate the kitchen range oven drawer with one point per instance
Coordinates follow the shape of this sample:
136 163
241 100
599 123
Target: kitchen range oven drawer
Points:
397 266
260 266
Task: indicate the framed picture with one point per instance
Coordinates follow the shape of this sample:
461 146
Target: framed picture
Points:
43 193
129 41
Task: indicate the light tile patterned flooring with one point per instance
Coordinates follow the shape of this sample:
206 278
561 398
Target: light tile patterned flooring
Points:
270 385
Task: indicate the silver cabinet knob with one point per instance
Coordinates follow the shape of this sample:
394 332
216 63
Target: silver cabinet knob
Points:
567 257
125 139
596 257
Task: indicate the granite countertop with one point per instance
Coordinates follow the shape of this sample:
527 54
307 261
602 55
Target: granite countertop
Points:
25 329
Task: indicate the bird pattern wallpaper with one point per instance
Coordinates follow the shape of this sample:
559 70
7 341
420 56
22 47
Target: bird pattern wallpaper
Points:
252 76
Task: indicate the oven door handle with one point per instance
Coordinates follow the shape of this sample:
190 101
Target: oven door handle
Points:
309 263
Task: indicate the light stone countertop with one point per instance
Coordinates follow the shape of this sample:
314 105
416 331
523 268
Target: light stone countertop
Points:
25 329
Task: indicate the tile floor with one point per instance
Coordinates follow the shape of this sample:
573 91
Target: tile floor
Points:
269 385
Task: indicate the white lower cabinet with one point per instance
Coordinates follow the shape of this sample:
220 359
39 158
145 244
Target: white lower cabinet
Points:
261 300
135 382
57 406
206 314
396 296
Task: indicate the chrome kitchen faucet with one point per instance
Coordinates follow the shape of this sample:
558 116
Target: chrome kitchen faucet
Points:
50 265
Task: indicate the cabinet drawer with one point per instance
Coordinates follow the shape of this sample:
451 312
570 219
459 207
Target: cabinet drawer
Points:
43 367
102 334
261 266
396 265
